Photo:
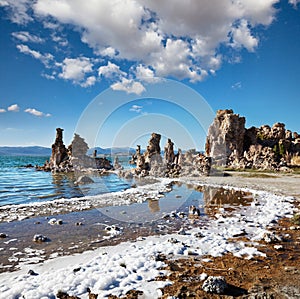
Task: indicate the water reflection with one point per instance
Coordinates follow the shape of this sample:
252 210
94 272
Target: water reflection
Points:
229 199
153 205
64 185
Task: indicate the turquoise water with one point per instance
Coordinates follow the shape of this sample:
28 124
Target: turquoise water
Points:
21 185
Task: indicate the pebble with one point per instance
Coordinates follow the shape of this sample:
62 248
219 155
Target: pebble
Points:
278 247
39 238
3 235
31 272
53 221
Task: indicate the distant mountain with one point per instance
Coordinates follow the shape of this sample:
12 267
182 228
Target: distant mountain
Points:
25 151
114 150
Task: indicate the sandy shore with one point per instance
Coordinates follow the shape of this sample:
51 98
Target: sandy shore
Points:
277 183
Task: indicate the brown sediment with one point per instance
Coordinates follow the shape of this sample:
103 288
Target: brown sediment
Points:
275 276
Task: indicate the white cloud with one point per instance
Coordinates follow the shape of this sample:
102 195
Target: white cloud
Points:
2 110
90 81
25 36
60 40
44 58
76 69
14 108
237 85
109 51
155 38
18 10
36 112
136 108
146 74
129 86
111 71
294 2
241 36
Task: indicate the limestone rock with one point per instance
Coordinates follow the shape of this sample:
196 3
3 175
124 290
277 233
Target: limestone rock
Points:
78 147
265 148
225 136
59 151
169 152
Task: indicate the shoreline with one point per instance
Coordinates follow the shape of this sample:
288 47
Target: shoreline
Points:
276 183
266 188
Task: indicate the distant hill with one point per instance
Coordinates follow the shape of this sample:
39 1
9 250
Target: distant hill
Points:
25 151
114 150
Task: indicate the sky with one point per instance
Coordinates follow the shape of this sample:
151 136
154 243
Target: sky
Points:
116 70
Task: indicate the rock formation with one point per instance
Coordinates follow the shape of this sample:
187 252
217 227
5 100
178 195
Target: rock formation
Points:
225 136
169 152
173 165
229 143
78 148
59 151
74 158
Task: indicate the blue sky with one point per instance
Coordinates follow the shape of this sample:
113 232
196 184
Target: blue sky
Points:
58 57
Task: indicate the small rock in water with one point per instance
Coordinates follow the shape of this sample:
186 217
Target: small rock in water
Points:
214 284
59 222
3 235
39 238
78 223
53 221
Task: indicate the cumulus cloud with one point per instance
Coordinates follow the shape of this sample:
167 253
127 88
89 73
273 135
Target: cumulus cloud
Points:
2 110
90 81
170 38
136 108
14 108
242 37
129 86
44 58
76 69
111 71
25 36
36 112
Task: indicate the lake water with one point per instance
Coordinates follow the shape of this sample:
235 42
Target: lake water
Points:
21 185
